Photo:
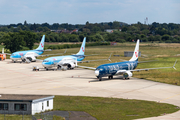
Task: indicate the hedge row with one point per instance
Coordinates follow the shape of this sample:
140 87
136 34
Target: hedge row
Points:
64 46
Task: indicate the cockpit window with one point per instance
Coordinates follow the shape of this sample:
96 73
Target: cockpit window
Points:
100 69
45 60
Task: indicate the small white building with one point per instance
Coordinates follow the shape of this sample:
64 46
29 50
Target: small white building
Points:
25 104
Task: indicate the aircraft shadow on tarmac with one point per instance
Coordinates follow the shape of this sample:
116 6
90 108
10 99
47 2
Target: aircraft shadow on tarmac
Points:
19 62
119 78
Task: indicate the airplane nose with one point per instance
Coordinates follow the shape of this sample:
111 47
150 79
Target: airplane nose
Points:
97 72
43 64
11 57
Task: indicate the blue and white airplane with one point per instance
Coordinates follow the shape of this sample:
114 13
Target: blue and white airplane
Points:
121 68
29 55
69 60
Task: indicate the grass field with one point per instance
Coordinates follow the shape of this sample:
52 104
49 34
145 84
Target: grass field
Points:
112 108
164 53
104 108
28 117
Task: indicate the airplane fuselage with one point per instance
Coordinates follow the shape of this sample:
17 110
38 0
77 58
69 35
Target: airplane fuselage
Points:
112 68
18 55
53 61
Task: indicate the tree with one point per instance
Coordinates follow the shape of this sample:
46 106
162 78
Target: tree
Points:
25 23
124 29
29 38
13 42
96 29
165 37
151 38
120 40
145 32
157 38
74 38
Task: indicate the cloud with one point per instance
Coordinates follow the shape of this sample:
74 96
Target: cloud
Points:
80 11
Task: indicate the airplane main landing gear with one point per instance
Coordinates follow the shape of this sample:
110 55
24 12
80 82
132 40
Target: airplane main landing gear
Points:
125 78
110 77
99 78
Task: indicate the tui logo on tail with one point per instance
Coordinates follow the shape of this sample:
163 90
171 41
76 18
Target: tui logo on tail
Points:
82 49
136 53
42 45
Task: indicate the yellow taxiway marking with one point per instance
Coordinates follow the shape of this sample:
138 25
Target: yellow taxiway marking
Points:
170 97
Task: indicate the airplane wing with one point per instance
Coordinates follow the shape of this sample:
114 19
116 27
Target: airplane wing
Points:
52 54
141 61
7 53
147 61
95 60
39 60
87 67
91 55
146 69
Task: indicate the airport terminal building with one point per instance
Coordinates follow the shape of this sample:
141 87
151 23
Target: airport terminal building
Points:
25 104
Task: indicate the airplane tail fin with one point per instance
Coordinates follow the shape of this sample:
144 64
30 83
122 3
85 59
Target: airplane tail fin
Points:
82 49
2 50
41 45
136 52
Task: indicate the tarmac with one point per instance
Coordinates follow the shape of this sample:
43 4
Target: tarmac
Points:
19 78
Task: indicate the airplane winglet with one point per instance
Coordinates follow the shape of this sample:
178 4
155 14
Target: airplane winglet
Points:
65 51
174 64
2 50
110 57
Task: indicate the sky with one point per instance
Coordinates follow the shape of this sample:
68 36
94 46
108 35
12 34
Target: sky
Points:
93 11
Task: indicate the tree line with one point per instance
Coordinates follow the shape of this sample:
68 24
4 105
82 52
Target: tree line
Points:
94 32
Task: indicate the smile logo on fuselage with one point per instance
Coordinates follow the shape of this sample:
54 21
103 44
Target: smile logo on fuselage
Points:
82 49
21 54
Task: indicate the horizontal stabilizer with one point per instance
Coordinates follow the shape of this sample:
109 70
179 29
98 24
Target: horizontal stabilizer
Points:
86 61
147 61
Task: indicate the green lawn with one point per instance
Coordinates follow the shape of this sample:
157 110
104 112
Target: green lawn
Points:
164 53
105 108
113 108
27 117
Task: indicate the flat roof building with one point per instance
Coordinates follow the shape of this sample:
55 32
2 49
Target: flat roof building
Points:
25 104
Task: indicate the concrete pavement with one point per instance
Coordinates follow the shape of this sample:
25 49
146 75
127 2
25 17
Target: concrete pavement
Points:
16 78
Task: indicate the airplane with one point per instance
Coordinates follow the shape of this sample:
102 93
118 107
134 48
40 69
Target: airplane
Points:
29 55
70 61
121 68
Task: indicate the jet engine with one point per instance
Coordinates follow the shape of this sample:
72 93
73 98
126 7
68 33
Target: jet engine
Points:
71 66
28 58
127 74
31 58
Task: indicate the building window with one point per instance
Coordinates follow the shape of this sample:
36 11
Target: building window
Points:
47 103
3 106
20 107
